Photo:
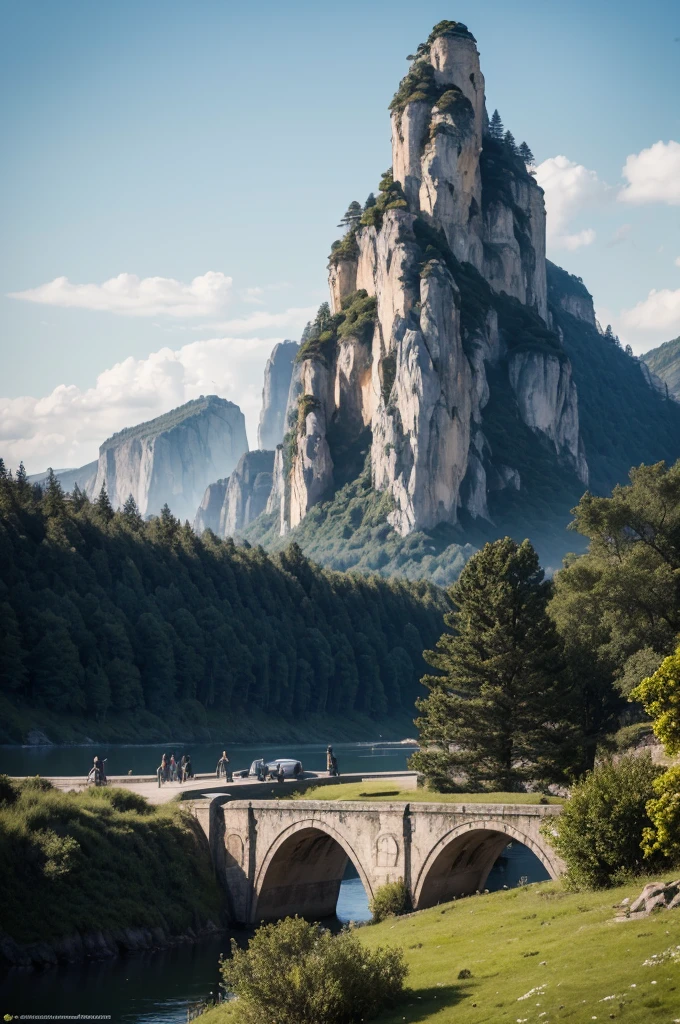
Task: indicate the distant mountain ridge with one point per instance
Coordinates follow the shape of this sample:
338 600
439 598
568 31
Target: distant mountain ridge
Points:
664 361
167 460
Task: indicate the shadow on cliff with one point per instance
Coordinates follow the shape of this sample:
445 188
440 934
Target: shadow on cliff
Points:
420 1004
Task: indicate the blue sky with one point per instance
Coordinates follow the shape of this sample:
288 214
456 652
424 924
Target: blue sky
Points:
173 140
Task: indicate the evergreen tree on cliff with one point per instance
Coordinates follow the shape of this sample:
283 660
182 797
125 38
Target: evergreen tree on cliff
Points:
526 153
496 126
351 217
497 712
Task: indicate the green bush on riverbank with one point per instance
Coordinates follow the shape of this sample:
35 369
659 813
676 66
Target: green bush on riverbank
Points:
494 958
99 860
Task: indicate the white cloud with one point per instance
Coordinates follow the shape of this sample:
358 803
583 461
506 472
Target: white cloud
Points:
295 317
578 240
677 261
65 428
570 188
653 320
127 294
653 175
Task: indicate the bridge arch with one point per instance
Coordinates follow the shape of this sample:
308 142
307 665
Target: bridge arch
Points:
460 862
302 870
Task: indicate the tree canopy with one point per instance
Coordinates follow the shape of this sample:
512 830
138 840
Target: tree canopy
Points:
103 613
498 710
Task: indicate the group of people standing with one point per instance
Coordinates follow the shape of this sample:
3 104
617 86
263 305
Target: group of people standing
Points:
172 769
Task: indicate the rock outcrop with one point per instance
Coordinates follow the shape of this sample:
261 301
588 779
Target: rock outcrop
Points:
438 297
247 492
209 511
228 506
277 376
570 294
663 364
173 458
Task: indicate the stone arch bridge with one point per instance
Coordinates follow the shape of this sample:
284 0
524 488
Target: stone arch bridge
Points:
283 857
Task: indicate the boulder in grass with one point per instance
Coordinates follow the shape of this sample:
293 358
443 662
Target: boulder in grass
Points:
675 902
657 902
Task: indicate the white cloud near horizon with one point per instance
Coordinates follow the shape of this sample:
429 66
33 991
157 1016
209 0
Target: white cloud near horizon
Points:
652 320
653 175
295 317
570 188
65 428
129 295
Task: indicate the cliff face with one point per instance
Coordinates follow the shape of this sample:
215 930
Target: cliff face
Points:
208 515
228 506
570 294
442 284
277 375
247 492
663 364
174 457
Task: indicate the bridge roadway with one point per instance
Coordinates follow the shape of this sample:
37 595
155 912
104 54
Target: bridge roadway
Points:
283 857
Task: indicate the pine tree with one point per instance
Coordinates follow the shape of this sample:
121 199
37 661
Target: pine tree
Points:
131 514
53 501
3 470
23 485
168 525
526 153
370 201
509 141
103 506
78 499
323 316
351 217
497 712
496 126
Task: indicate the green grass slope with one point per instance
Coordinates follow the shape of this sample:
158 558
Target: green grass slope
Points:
99 860
664 361
382 790
537 955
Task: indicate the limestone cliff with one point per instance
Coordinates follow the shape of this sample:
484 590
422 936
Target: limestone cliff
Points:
570 294
173 458
277 376
247 492
438 336
229 505
208 515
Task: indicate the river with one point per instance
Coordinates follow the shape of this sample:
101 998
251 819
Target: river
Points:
156 988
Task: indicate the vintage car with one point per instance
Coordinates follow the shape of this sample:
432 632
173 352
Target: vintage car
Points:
292 769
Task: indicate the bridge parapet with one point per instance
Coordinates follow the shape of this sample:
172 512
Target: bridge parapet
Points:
280 857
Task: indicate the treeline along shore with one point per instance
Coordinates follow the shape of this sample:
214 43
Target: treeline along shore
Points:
115 628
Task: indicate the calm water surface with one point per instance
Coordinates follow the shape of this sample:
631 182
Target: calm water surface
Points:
143 760
156 988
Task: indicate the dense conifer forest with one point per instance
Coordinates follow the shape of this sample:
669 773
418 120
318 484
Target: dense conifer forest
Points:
104 615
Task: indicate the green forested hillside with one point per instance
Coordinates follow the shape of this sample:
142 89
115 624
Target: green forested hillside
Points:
103 615
664 361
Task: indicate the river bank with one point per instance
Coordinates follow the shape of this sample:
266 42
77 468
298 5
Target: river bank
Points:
92 874
100 945
189 723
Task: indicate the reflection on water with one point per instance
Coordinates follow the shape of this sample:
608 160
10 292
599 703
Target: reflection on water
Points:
144 759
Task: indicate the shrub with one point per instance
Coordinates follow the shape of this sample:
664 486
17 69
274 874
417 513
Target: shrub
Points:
9 793
599 832
298 973
663 836
390 900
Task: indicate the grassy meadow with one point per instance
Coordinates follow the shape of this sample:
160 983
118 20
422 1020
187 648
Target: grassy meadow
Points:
384 790
536 955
